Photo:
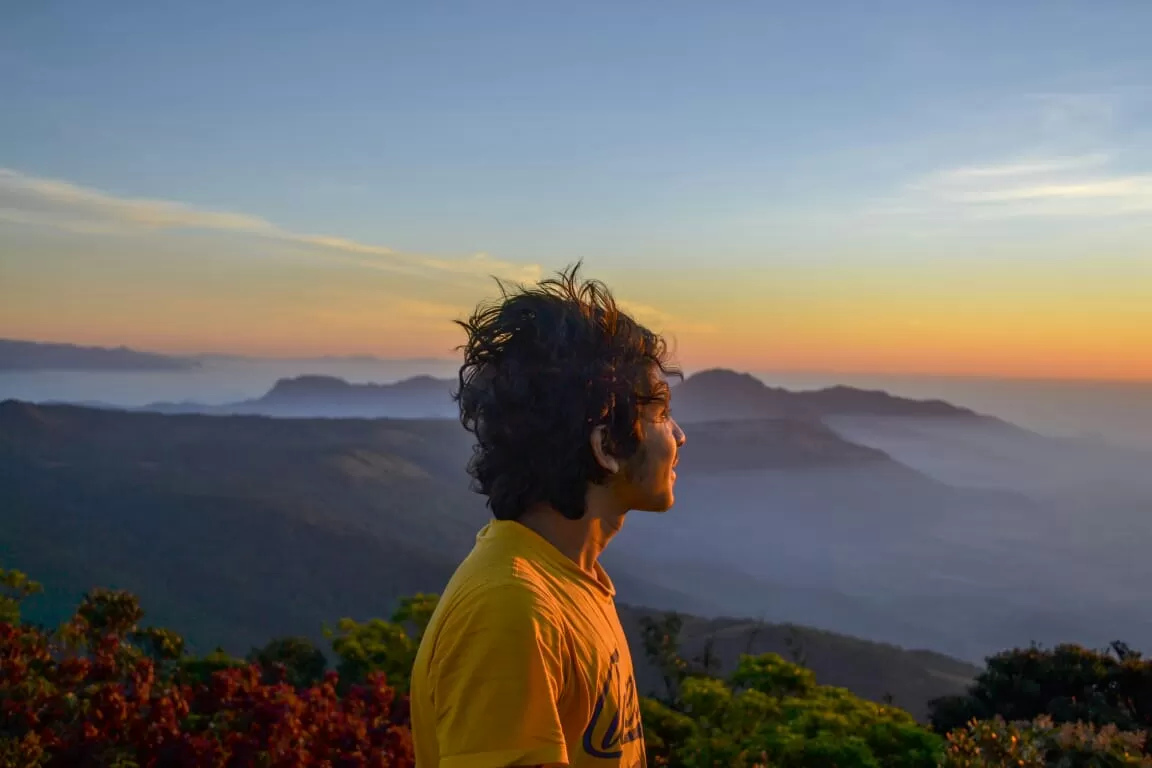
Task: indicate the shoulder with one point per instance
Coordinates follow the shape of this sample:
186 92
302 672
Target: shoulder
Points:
500 581
503 604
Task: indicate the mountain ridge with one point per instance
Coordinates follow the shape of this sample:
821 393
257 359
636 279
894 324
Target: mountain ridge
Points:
17 355
236 529
711 395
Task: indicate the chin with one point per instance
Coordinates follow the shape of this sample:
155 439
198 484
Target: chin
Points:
660 503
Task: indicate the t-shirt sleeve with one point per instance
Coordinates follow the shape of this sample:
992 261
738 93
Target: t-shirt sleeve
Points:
497 674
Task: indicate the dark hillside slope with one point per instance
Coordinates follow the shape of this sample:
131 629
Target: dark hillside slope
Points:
233 530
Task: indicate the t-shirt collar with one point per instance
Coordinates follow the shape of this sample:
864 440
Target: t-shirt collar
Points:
598 580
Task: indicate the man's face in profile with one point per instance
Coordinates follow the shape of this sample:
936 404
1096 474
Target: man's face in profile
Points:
649 478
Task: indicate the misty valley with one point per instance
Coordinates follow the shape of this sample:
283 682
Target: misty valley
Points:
912 523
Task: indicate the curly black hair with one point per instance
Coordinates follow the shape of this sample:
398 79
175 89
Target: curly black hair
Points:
544 366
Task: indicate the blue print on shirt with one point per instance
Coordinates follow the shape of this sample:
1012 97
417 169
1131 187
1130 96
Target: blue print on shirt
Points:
607 731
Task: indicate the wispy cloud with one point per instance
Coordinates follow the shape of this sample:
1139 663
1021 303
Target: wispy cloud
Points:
1069 165
1087 187
1130 189
661 320
32 200
1022 168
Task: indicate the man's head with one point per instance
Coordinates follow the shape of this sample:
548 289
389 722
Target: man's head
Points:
563 391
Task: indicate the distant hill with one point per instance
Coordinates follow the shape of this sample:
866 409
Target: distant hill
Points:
310 396
236 529
37 356
714 395
724 394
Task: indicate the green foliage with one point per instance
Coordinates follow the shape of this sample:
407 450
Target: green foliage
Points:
771 712
102 613
294 660
1075 708
200 669
103 687
15 587
161 645
664 729
661 638
415 613
383 646
1068 683
773 676
995 743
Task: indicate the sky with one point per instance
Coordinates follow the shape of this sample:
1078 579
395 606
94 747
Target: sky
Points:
888 187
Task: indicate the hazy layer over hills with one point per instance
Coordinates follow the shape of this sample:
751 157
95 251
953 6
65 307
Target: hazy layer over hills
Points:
707 396
37 356
777 514
237 529
904 521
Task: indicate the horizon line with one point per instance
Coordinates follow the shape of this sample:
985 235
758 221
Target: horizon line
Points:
688 370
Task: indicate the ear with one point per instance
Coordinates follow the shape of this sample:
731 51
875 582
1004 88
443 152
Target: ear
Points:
599 441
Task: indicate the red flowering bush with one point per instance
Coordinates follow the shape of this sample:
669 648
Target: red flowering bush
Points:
100 692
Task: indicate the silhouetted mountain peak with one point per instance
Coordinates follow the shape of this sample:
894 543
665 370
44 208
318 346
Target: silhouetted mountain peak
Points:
726 380
317 395
720 393
423 382
318 386
309 385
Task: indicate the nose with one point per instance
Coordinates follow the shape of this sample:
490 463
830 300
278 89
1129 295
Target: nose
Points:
678 433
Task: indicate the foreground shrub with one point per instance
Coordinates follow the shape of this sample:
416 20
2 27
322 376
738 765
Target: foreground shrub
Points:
1068 683
772 713
996 743
383 646
100 692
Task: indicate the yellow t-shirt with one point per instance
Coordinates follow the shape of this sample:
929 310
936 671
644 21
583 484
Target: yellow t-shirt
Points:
524 662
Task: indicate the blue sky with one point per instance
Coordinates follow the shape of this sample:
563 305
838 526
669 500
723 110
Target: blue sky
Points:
702 140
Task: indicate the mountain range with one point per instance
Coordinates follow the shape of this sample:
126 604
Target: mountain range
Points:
711 395
38 356
912 523
236 529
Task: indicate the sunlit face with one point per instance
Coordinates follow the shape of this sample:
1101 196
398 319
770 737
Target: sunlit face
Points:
649 477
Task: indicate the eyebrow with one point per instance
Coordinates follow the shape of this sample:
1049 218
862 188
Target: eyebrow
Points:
661 393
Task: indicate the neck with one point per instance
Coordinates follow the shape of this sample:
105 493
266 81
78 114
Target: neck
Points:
583 540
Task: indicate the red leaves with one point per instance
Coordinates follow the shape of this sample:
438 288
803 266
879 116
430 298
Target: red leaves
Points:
60 705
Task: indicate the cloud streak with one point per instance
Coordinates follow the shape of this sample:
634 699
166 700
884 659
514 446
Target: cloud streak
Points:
1056 187
1022 168
661 320
1069 169
35 201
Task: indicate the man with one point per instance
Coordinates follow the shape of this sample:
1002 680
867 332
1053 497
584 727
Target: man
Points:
524 662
